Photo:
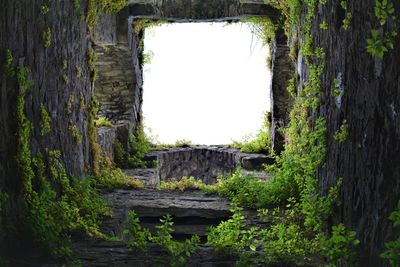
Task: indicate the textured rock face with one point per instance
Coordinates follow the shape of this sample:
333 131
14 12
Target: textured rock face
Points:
368 159
282 72
202 10
106 138
115 86
21 29
205 163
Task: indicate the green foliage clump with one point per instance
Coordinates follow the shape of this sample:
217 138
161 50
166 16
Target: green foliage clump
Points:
291 11
379 44
349 16
22 78
392 252
103 122
8 65
147 57
342 133
45 121
77 4
24 160
137 235
142 24
76 133
324 26
54 216
139 146
46 37
183 184
183 143
95 150
44 9
382 42
177 251
228 236
287 239
111 177
262 27
261 143
92 58
244 191
65 64
95 8
383 11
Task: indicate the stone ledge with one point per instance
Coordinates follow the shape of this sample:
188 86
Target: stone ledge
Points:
205 163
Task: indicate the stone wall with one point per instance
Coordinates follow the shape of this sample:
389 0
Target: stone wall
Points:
57 87
205 163
202 10
368 160
63 89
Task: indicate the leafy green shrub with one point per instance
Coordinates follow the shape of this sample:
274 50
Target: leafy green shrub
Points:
139 146
76 133
340 247
243 190
227 236
178 251
112 177
95 8
137 236
103 122
262 27
286 240
53 217
183 184
392 252
261 143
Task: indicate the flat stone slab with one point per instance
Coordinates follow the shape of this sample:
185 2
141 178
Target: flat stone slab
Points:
115 254
193 211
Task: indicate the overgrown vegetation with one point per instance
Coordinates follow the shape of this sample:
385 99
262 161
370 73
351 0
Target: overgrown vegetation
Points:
262 27
112 177
95 8
392 251
342 133
45 121
177 251
92 58
132 157
382 41
349 16
46 37
103 122
261 143
183 184
298 231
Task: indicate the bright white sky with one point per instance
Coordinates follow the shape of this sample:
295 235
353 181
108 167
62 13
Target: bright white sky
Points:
207 82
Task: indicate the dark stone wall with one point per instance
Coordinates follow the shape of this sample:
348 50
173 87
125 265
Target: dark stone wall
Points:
202 10
369 159
21 28
281 102
205 162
